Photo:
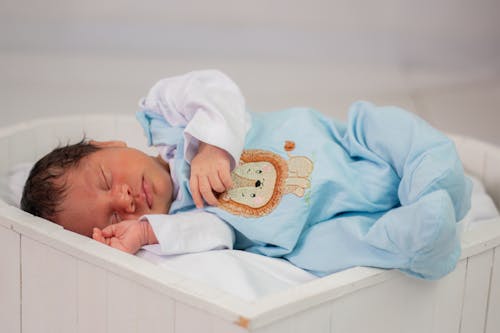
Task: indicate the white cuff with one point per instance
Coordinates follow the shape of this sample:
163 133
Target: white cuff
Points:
220 133
189 232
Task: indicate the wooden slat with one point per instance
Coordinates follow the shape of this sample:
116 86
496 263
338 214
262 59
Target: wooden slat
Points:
49 289
493 316
220 325
285 325
121 305
155 311
448 300
189 319
435 306
403 304
10 282
477 285
92 304
132 307
316 319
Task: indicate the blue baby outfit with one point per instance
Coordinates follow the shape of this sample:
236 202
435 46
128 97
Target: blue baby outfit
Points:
383 190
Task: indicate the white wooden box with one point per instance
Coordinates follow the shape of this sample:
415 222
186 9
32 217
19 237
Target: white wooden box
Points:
53 280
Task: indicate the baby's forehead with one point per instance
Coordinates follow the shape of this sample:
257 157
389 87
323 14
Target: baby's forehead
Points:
92 166
83 165
83 173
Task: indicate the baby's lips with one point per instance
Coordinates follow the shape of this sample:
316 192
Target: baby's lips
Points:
146 191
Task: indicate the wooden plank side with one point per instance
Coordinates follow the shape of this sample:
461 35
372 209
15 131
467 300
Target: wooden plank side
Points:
434 306
449 296
132 307
92 305
189 319
10 281
121 305
402 304
477 285
49 289
155 311
316 319
284 325
493 315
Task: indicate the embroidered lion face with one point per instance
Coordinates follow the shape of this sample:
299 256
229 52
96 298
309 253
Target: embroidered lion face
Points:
260 181
253 183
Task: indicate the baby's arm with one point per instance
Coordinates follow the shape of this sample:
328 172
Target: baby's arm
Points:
128 236
210 109
207 105
163 234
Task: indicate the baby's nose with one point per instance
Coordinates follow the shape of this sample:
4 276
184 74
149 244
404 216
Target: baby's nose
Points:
125 199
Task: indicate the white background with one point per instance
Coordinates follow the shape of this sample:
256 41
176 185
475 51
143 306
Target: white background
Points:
440 59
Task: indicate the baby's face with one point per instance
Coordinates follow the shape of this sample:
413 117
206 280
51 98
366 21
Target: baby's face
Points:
111 185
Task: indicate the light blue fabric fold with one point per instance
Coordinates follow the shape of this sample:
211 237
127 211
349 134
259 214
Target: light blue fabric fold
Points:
157 130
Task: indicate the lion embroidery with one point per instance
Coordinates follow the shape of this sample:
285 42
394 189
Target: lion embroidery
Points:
262 178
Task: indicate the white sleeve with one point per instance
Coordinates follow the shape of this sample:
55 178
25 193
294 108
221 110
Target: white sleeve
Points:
189 232
208 104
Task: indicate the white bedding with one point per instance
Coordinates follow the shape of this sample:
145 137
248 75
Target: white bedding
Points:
243 274
483 208
246 275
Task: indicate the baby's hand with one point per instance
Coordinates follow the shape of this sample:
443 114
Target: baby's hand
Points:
128 236
210 172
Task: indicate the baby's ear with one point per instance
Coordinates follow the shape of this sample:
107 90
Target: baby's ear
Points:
108 144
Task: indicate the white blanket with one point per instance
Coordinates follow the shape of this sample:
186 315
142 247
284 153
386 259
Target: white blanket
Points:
243 274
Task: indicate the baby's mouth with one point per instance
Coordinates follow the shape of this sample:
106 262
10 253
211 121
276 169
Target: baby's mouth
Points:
146 189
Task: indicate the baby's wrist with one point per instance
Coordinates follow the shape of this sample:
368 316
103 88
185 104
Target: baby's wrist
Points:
148 235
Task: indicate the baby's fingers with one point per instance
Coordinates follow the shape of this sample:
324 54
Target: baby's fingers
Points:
202 190
195 192
225 177
216 183
109 231
206 191
117 244
97 235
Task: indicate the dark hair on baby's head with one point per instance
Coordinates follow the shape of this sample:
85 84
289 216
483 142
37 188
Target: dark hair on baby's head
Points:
46 187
